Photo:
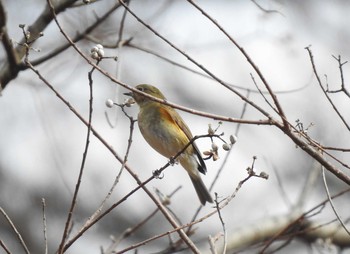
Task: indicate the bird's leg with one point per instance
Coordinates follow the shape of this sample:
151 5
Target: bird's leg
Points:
173 161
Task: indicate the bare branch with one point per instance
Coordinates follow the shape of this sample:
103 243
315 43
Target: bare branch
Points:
331 202
250 61
81 171
2 244
8 71
343 88
322 88
19 236
131 131
261 110
43 203
222 222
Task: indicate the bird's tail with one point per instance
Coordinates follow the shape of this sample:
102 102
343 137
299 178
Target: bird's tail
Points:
202 191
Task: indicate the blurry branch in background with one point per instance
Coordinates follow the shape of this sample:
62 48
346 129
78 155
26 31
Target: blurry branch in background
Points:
295 224
267 11
295 211
331 202
130 44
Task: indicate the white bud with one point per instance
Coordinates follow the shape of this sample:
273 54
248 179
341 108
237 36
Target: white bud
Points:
129 101
214 146
109 103
94 49
233 139
226 147
94 55
264 175
100 53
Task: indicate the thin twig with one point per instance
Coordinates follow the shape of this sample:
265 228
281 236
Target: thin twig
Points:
43 203
281 188
222 222
268 121
2 244
323 90
262 95
105 143
311 180
82 166
19 236
298 219
119 45
212 245
170 61
282 126
342 86
261 110
266 10
340 149
223 204
132 123
250 61
156 174
128 232
219 171
78 37
8 72
331 202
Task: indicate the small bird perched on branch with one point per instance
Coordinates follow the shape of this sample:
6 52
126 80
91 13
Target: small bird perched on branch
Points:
167 133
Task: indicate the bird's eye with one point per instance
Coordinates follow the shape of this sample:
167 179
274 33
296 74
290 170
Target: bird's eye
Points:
141 89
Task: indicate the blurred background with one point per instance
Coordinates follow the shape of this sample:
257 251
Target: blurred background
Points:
42 142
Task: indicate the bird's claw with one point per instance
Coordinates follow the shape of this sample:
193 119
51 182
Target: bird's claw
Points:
158 174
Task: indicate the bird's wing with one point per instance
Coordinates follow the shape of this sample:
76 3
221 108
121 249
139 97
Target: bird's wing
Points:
183 126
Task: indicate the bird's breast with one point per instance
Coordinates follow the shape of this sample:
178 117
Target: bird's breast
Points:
160 132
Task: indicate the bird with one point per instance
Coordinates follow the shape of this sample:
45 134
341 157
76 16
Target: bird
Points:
167 133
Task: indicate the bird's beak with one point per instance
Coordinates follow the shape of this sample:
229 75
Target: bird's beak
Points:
129 94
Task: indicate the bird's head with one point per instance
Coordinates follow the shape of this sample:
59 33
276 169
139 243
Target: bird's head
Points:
148 89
